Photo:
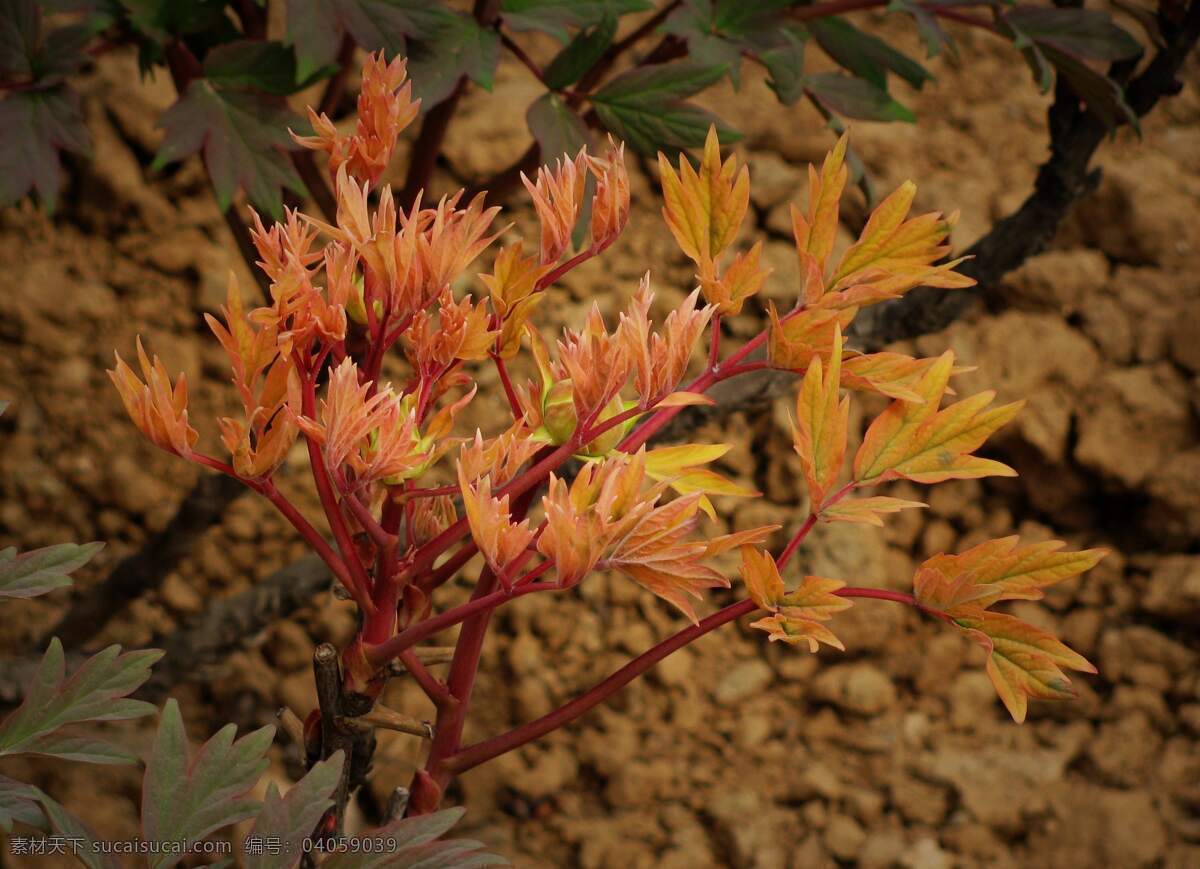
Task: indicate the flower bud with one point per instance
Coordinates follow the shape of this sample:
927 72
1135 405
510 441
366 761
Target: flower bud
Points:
558 412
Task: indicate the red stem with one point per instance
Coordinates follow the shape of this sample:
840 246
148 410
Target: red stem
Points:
314 539
434 688
794 543
714 348
506 381
481 752
325 491
379 654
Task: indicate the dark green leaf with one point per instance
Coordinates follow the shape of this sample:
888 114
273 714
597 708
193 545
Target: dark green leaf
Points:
243 136
163 19
855 98
580 54
786 66
32 573
255 63
187 796
555 16
932 34
1086 33
645 106
864 55
556 128
34 127
459 48
316 27
19 802
289 820
95 692
718 32
416 842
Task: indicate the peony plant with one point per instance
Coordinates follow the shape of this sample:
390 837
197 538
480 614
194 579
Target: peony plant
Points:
570 484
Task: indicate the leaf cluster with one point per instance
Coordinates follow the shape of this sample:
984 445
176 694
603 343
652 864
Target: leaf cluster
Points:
235 73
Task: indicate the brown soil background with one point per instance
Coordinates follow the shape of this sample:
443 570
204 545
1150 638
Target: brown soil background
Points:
733 752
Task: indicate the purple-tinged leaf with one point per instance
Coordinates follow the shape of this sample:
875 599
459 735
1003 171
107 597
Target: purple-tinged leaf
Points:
187 796
459 48
415 843
557 129
81 839
555 16
316 27
30 574
1063 39
931 32
287 821
19 802
259 64
97 691
645 106
785 63
20 29
865 55
34 126
720 32
580 54
855 98
243 136
1085 33
83 749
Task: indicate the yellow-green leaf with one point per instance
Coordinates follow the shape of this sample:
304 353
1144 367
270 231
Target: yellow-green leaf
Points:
920 443
815 599
1023 661
704 210
1017 572
815 230
819 436
866 510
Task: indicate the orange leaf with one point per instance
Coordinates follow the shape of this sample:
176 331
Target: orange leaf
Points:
679 467
795 340
705 210
865 510
920 443
957 595
795 631
894 255
816 229
1017 572
815 599
749 537
1023 661
684 399
743 279
819 436
892 374
762 578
